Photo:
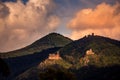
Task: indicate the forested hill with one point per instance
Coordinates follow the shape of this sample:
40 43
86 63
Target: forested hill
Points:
49 41
100 45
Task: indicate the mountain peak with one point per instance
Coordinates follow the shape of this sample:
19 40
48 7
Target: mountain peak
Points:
54 33
51 40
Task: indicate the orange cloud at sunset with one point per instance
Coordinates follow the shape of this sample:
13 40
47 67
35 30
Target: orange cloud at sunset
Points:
102 20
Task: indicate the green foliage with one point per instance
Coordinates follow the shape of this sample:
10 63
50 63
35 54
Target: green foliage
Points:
100 45
56 73
50 72
60 62
98 61
105 48
63 63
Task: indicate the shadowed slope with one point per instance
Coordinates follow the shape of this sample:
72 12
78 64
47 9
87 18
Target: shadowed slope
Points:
4 69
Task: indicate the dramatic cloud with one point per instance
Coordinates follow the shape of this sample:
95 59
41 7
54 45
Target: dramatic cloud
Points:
102 20
20 23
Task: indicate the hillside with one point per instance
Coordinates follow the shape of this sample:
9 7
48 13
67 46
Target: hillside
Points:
49 41
57 68
100 45
89 58
18 65
53 72
84 57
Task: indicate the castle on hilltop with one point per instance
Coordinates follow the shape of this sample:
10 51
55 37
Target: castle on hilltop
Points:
89 52
90 35
55 56
86 59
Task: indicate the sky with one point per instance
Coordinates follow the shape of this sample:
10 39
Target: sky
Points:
24 21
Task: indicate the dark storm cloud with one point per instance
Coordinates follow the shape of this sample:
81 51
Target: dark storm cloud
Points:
24 1
70 7
4 10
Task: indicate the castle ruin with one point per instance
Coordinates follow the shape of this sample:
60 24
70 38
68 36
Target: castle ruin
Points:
55 56
89 52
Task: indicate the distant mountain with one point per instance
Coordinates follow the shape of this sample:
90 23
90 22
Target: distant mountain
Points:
49 41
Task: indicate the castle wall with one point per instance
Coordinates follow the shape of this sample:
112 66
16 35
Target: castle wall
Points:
89 52
54 56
